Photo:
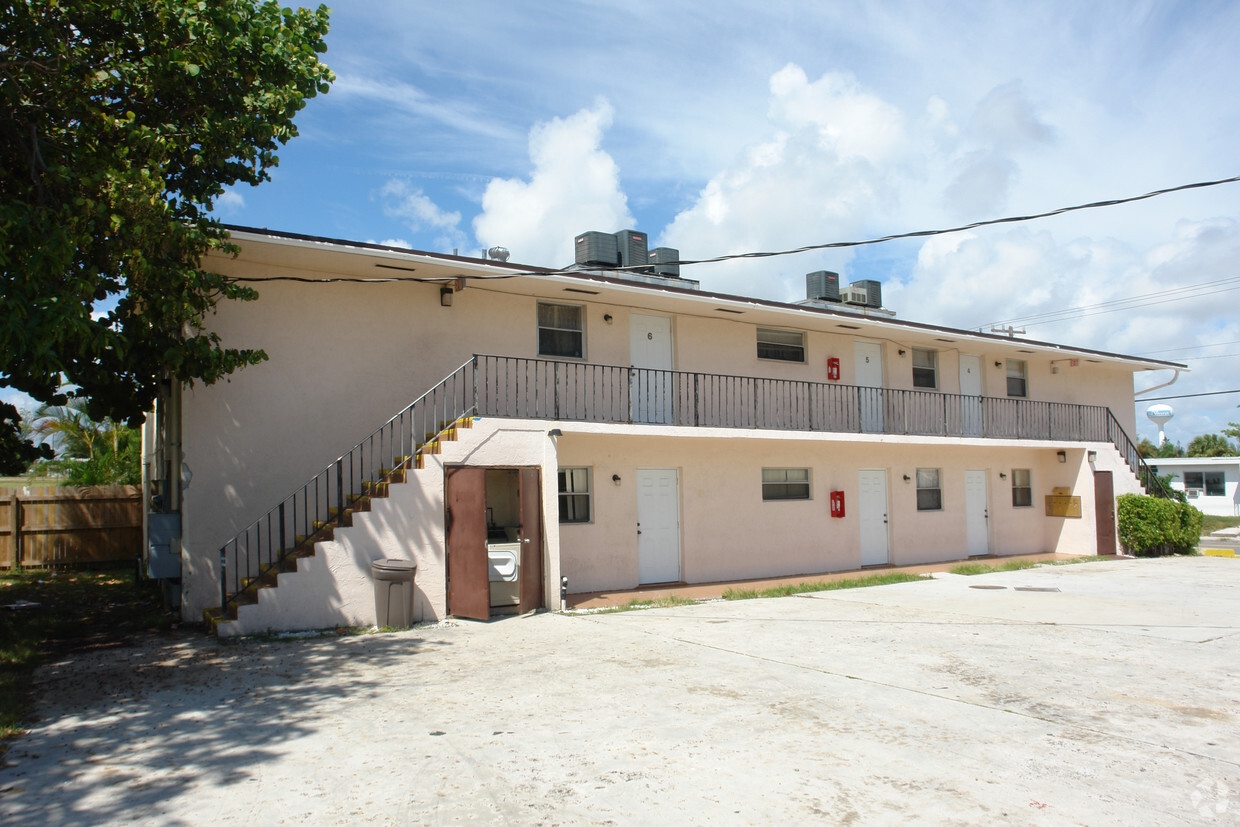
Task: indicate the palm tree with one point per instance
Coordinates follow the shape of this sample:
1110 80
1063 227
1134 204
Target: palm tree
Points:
1211 445
90 452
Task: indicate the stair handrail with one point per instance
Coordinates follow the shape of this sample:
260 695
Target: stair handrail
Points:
436 407
1128 451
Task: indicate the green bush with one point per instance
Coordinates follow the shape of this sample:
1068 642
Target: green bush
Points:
1152 527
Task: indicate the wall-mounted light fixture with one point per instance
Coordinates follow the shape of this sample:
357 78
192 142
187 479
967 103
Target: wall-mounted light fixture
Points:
445 296
615 478
907 478
1092 456
998 364
900 351
607 318
1063 455
1002 475
555 432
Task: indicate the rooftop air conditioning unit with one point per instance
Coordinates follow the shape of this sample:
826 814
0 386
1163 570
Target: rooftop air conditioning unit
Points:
854 295
595 248
665 261
632 248
822 285
873 291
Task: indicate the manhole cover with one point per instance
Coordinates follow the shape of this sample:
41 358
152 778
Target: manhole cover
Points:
987 587
1035 588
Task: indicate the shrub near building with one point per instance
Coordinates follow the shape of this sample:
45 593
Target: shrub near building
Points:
1152 527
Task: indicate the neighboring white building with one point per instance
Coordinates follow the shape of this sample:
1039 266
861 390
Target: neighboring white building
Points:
1211 483
614 429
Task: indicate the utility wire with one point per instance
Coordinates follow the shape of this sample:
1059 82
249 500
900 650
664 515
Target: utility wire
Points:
1188 395
1156 297
991 222
1190 347
833 245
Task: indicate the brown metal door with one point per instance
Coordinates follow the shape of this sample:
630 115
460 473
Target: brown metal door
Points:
531 541
469 588
1104 511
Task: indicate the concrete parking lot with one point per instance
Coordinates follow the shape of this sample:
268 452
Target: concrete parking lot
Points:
1099 693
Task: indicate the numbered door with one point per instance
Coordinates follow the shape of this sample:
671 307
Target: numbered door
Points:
658 526
652 384
977 513
970 395
872 514
869 373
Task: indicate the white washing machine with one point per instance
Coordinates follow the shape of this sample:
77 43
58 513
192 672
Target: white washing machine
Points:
504 572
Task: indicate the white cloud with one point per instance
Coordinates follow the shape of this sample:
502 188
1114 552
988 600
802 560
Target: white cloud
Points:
230 202
392 242
418 212
574 187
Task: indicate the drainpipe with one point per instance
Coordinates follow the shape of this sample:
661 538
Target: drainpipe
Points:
1158 387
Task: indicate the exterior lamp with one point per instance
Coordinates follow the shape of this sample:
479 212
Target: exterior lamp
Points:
445 296
1063 455
615 478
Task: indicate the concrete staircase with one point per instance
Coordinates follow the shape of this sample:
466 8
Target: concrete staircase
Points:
307 546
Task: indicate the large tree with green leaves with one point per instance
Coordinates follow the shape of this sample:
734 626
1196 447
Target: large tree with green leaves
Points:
17 450
120 123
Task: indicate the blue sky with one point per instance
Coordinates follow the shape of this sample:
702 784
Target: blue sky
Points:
731 126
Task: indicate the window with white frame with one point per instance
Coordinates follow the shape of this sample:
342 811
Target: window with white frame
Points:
574 495
785 483
1022 488
781 345
1016 378
929 489
925 368
561 330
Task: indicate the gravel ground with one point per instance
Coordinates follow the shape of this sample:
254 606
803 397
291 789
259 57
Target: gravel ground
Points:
1108 694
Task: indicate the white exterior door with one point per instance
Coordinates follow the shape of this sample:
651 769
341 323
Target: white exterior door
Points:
652 389
970 395
872 513
977 513
658 526
869 378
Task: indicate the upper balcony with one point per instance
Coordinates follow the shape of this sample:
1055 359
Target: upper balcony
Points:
508 386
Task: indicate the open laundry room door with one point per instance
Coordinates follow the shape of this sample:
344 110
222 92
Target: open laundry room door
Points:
531 541
469 587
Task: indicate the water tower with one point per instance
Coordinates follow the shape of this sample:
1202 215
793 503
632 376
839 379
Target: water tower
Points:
1160 415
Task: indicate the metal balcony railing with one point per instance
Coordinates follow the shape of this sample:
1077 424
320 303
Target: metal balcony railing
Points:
515 387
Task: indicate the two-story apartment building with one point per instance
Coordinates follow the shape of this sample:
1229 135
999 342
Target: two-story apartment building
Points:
495 422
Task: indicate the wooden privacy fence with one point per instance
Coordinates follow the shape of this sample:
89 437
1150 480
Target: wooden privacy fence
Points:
51 526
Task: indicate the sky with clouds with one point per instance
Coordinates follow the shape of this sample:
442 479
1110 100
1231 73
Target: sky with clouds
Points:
733 126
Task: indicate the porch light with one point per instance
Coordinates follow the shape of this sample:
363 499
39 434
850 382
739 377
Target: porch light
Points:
907 478
1092 456
445 296
1063 455
607 318
555 432
615 478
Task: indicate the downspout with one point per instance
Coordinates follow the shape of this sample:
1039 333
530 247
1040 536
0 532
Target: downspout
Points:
1159 387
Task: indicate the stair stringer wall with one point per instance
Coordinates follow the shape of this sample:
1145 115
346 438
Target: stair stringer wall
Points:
1070 535
334 588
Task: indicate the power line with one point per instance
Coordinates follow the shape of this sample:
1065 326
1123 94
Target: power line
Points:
1190 347
1129 303
1187 395
989 223
832 245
